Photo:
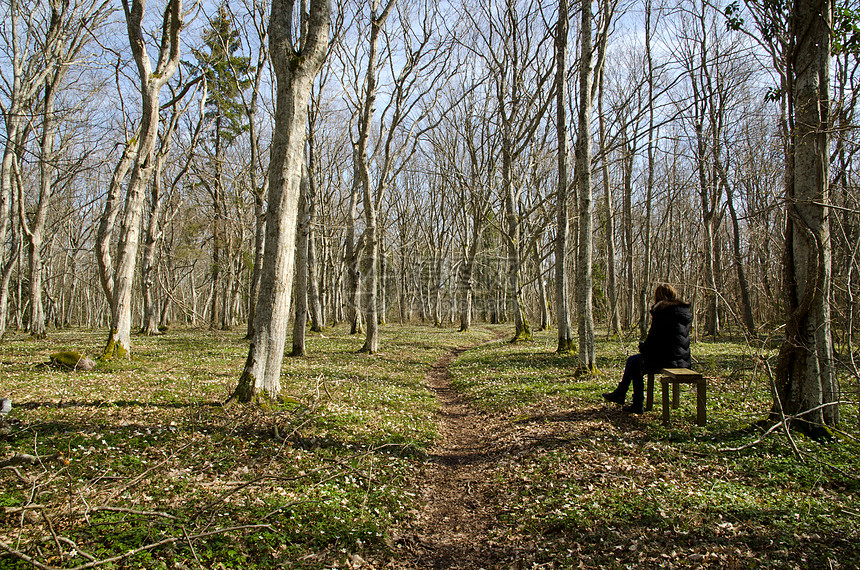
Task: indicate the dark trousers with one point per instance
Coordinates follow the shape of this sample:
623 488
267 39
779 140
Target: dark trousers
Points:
634 374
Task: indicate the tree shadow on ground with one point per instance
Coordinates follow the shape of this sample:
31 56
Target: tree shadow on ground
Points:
115 404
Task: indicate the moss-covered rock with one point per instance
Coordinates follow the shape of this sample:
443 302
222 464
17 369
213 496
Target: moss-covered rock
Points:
71 360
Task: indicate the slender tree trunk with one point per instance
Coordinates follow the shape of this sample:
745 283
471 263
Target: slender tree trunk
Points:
562 285
107 221
147 268
614 321
370 276
259 241
300 301
351 260
314 303
34 233
258 187
383 286
542 294
154 229
403 274
649 184
13 123
522 328
584 277
746 303
712 325
466 274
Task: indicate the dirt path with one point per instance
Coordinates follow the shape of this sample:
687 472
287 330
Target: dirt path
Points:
459 522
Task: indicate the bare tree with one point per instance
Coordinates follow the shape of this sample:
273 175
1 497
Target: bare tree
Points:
300 299
514 54
400 129
45 44
258 183
158 199
297 52
805 378
562 306
139 151
612 297
589 67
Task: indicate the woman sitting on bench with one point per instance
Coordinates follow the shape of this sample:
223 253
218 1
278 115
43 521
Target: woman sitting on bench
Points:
666 346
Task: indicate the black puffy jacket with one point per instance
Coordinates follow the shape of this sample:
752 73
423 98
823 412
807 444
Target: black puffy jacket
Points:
668 342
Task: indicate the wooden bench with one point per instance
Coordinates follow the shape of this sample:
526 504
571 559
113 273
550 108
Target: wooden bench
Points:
676 377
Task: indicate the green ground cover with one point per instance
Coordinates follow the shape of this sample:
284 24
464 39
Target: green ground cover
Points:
624 490
141 454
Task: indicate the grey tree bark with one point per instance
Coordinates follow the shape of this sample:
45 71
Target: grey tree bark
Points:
151 81
562 281
584 276
370 202
589 67
805 376
158 196
300 299
645 284
296 61
612 300
259 187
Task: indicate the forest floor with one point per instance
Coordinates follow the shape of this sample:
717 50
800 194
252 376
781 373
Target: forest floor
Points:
444 450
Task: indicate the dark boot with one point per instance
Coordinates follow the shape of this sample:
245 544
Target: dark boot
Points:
614 397
634 409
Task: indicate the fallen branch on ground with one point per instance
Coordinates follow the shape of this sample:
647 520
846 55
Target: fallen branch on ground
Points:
132 552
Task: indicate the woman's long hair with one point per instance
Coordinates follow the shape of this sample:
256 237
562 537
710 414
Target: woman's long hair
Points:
664 292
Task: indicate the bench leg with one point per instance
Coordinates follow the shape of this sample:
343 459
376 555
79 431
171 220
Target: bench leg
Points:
701 409
665 390
676 395
649 393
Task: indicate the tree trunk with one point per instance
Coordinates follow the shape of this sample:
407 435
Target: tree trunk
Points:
151 81
154 231
562 285
314 304
352 253
258 187
522 329
259 241
584 276
383 286
295 71
371 195
645 284
805 379
627 233
614 321
746 303
300 302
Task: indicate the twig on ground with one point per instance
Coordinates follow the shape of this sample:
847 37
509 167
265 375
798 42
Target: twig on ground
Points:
53 534
134 512
24 557
191 546
76 548
132 552
776 426
27 459
13 510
